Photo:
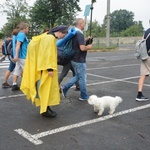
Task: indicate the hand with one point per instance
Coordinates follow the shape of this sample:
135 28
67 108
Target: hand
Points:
89 46
16 59
89 41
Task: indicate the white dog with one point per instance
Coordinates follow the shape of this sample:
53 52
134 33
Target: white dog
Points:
100 103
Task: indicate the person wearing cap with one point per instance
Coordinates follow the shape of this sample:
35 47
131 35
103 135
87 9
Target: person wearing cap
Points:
40 75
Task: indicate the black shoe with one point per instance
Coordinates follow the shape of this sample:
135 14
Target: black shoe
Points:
77 88
142 98
49 113
15 88
6 85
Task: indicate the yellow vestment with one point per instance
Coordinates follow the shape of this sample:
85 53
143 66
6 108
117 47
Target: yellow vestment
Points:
36 84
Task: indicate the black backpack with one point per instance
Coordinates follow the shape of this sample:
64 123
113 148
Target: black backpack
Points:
7 47
60 59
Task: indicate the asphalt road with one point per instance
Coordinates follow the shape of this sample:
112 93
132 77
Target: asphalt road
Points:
77 127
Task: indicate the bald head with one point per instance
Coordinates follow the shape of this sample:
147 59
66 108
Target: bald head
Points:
80 23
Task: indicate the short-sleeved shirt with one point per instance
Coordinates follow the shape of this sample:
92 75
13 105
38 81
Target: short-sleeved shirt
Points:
148 40
80 56
21 37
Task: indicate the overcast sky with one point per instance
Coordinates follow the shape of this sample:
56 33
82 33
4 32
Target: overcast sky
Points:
140 8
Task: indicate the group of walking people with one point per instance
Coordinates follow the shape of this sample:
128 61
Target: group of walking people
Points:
37 63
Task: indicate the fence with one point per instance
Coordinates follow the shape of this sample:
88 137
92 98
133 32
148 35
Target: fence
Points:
101 42
114 41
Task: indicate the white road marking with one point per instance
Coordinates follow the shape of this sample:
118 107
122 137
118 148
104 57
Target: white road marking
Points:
114 80
113 67
11 96
2 64
111 80
35 138
3 67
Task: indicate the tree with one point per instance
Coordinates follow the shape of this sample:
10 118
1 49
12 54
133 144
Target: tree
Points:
96 29
120 20
53 12
16 11
135 30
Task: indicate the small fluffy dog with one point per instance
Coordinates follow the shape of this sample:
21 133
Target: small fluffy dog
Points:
100 103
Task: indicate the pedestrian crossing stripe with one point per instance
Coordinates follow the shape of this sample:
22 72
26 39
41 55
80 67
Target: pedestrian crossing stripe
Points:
4 64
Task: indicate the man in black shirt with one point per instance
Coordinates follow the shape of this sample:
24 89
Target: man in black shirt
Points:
79 61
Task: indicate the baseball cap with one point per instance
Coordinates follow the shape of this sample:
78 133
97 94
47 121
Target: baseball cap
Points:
61 28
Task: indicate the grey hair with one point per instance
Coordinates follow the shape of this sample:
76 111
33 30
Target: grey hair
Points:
78 21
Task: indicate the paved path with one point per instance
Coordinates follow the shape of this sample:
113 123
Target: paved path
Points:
77 127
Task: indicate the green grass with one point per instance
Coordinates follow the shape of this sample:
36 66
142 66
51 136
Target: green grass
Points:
104 48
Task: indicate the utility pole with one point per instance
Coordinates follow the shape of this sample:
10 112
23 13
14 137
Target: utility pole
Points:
108 24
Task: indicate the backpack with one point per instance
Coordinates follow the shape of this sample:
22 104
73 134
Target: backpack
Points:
8 48
68 51
5 45
141 49
65 47
61 60
65 53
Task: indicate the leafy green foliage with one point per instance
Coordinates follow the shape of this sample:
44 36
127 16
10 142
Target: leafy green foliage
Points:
120 20
135 30
122 24
1 35
17 11
49 13
54 12
95 29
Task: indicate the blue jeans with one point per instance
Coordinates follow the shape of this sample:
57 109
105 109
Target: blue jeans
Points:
80 76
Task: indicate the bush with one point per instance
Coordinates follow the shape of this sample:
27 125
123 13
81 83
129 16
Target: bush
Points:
1 35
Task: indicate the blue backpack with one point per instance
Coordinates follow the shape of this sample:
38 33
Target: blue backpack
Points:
65 47
68 51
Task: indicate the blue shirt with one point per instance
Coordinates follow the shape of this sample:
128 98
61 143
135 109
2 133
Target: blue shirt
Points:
21 37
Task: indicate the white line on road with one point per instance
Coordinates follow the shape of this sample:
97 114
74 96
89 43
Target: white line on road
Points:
35 138
114 80
11 96
3 67
113 67
111 80
2 64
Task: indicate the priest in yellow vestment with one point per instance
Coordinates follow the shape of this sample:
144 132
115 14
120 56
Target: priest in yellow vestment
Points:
40 75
